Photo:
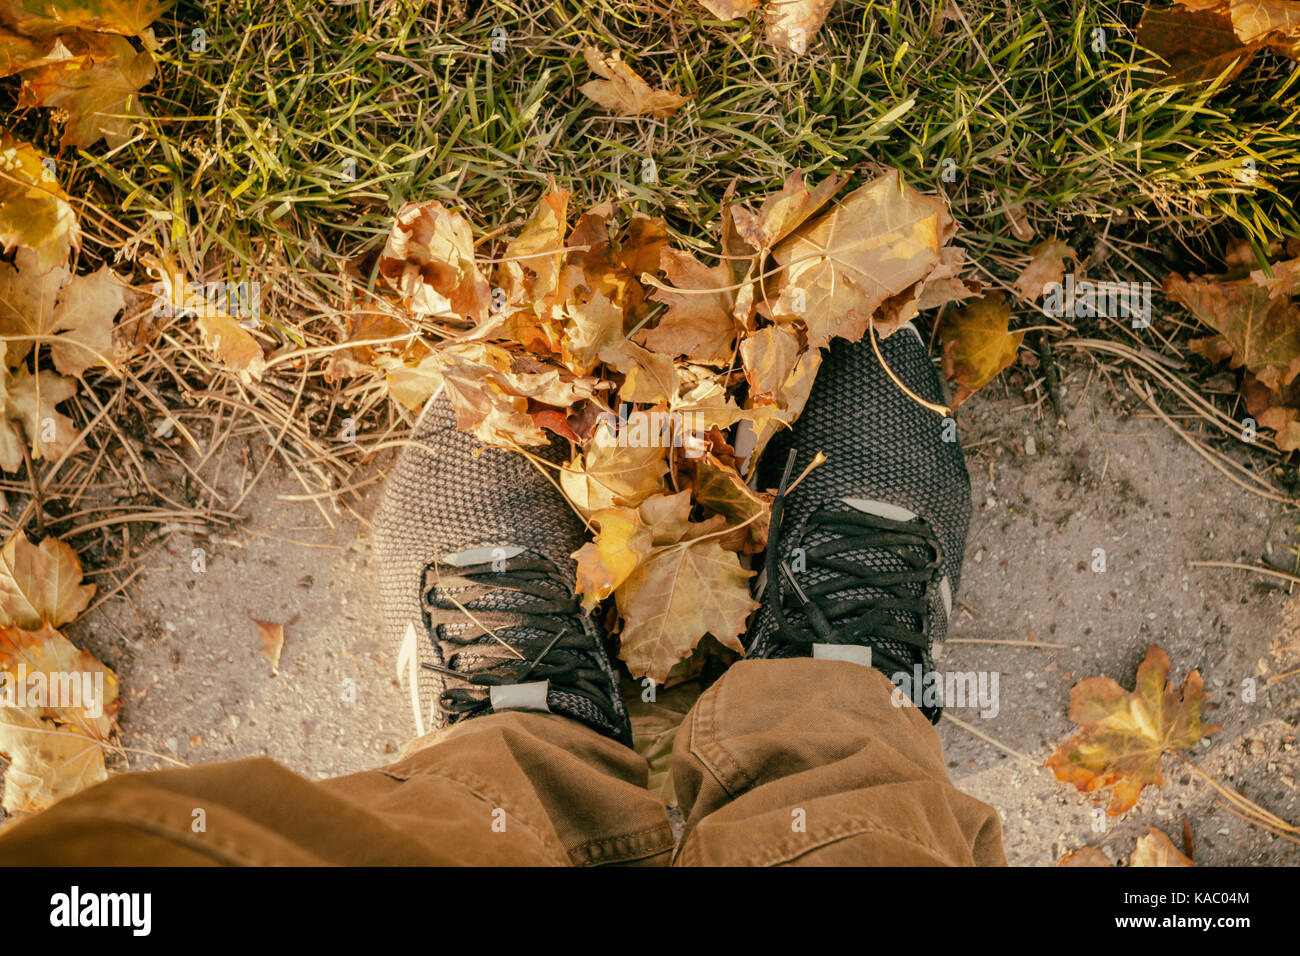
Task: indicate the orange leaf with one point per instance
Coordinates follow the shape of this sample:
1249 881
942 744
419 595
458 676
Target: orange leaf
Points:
1126 733
272 636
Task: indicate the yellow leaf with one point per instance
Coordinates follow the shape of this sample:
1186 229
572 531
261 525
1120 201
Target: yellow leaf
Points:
620 545
609 476
47 762
730 9
719 490
791 394
412 385
623 91
34 210
649 378
1274 23
233 344
46 18
838 269
1088 856
792 24
769 356
531 270
40 584
60 708
977 345
593 325
1262 329
29 400
784 211
70 315
97 87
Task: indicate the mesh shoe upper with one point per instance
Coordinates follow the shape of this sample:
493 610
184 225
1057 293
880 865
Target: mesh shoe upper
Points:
472 549
871 542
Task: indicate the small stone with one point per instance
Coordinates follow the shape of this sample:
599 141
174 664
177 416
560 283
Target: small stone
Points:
1031 446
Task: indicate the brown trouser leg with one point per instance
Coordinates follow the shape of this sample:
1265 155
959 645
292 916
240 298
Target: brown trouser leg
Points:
779 762
809 762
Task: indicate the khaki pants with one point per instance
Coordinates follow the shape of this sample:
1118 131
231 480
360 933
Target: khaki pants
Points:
780 762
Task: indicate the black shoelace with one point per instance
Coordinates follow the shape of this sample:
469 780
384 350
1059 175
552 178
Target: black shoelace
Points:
835 609
539 637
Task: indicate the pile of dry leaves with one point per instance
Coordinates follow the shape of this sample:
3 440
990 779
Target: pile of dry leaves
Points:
666 372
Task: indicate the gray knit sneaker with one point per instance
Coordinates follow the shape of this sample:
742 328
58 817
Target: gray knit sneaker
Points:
870 544
476 578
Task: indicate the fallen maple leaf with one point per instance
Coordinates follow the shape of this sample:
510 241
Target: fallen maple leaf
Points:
608 476
53 730
47 18
1046 265
699 322
764 356
977 345
593 326
730 9
840 268
34 209
720 490
222 334
411 384
429 260
40 584
71 315
29 400
530 269
1262 330
791 24
1087 856
1272 23
1154 848
768 357
272 636
491 390
1197 44
96 86
1270 409
623 91
649 377
622 542
784 211
1125 734
676 596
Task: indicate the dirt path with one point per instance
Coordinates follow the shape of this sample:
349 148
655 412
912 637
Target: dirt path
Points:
197 687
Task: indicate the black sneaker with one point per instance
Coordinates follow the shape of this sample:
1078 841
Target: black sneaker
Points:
869 548
475 574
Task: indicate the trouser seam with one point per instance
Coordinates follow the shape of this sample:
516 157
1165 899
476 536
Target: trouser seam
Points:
639 845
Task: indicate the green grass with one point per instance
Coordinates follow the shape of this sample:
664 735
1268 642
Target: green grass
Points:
242 163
